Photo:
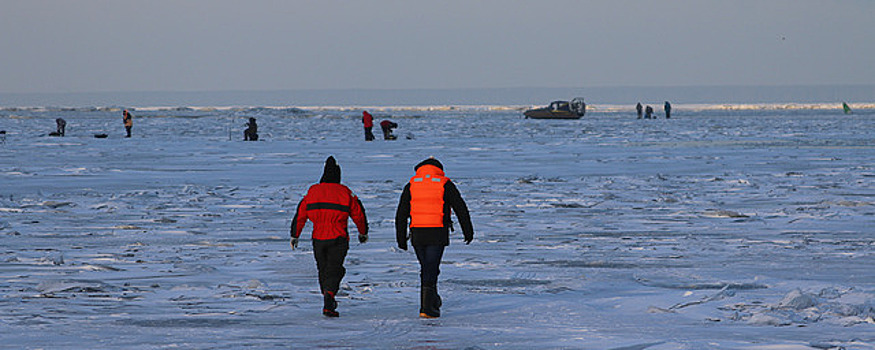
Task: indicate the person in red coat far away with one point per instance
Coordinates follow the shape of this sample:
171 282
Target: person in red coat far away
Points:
329 205
368 121
387 126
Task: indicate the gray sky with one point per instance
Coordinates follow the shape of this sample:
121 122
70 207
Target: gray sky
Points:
177 45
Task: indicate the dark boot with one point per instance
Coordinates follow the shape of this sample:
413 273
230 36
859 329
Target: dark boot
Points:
423 301
437 300
430 302
330 305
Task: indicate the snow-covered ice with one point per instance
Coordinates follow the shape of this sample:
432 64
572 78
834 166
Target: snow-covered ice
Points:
722 228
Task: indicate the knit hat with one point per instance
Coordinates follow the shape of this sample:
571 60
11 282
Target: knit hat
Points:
429 161
331 173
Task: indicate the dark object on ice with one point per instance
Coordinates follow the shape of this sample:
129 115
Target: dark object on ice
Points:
251 132
128 119
62 126
639 109
667 110
846 108
430 302
329 305
425 206
387 126
2 136
368 123
100 136
559 110
648 112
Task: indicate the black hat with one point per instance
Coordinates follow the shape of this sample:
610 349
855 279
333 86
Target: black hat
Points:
331 173
430 161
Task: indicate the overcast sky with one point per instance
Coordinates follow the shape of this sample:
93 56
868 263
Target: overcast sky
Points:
177 45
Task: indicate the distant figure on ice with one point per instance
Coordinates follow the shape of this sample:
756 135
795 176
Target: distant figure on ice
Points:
128 119
639 108
61 126
368 121
387 127
648 112
329 205
251 132
667 110
425 205
3 136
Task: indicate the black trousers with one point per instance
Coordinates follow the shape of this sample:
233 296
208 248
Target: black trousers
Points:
369 134
429 263
128 129
329 261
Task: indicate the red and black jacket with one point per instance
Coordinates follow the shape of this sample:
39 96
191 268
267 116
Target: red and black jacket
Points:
329 206
367 119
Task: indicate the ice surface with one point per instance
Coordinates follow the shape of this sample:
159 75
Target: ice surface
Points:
722 228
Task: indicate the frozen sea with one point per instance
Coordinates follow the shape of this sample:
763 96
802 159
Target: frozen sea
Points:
725 227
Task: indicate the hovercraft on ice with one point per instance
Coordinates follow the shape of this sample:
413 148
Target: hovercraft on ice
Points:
559 110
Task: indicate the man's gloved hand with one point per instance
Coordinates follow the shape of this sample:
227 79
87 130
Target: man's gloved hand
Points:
363 238
294 242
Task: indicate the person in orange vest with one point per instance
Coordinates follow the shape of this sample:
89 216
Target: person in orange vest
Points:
329 205
425 206
128 119
368 121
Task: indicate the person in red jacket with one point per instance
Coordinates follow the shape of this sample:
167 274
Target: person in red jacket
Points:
387 126
329 205
368 121
426 203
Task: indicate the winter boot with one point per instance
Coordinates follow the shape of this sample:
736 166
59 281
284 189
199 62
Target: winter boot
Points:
330 305
430 302
438 302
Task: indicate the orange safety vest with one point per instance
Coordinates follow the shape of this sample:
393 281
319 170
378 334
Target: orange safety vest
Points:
427 197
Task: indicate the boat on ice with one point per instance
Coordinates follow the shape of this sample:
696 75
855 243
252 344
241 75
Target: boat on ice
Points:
559 110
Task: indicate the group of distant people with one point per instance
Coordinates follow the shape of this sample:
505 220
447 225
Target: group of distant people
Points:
386 125
648 111
249 134
61 126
